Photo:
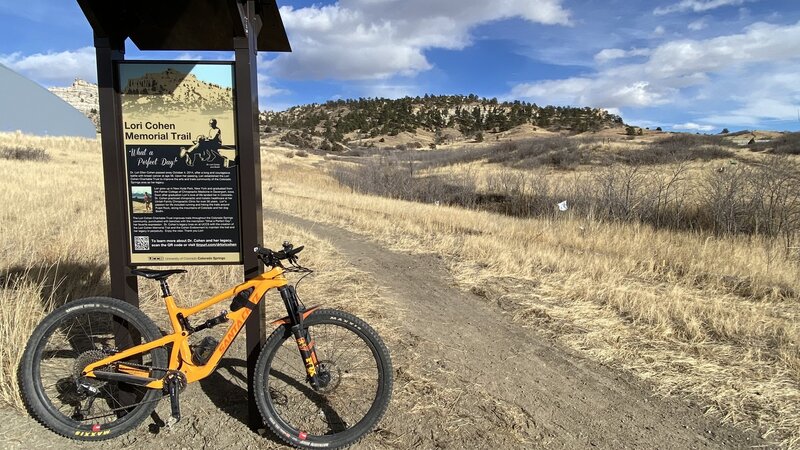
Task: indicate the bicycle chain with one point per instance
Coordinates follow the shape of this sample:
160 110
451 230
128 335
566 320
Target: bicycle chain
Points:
141 366
113 411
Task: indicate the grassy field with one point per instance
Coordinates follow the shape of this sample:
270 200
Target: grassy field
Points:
715 320
711 319
55 249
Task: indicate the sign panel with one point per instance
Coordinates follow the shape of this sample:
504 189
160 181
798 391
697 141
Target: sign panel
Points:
181 156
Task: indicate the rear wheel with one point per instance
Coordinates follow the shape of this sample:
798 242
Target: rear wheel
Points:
357 372
73 336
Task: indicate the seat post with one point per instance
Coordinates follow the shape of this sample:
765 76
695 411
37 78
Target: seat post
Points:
164 288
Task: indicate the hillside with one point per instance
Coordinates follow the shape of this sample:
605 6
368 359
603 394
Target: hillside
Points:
442 118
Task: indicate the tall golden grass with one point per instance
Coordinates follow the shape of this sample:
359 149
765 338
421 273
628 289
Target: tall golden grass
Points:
711 319
714 319
55 249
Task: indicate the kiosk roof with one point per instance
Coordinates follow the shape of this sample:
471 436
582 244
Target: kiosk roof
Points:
183 24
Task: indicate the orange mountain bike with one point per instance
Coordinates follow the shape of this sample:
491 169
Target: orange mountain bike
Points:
323 378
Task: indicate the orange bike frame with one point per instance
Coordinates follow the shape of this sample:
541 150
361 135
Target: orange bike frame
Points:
180 357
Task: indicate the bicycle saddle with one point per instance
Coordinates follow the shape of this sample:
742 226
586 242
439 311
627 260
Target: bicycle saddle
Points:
156 274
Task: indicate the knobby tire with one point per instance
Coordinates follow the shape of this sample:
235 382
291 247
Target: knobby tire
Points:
76 334
351 405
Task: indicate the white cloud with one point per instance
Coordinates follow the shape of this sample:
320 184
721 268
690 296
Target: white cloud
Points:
598 92
691 126
674 72
696 6
760 42
54 69
698 25
769 95
643 123
275 106
266 89
377 39
659 30
611 54
390 90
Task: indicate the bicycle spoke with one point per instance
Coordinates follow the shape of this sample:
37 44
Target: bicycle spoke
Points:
353 381
72 339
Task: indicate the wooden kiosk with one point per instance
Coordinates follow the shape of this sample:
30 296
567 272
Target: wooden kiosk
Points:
242 26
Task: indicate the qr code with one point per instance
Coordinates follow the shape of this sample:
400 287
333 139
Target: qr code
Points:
141 242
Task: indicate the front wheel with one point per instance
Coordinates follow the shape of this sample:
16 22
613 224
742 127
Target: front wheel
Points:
358 371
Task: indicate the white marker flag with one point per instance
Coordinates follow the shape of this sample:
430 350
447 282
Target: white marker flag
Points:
563 206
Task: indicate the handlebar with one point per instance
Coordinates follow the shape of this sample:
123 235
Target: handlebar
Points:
273 258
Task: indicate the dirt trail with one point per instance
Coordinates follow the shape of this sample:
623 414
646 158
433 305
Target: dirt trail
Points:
564 400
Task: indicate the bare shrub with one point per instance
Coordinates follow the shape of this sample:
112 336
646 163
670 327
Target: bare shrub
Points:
679 148
512 193
786 144
394 178
303 140
557 151
775 204
23 153
620 190
667 193
732 199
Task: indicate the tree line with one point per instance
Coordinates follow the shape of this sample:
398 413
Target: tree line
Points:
469 114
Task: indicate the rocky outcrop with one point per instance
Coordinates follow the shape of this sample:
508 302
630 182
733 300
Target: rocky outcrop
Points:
82 95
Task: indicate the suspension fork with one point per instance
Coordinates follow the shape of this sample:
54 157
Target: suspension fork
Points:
305 344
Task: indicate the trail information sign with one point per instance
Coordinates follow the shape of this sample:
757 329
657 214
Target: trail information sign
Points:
181 162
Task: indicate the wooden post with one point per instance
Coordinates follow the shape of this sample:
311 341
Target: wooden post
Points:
123 284
250 186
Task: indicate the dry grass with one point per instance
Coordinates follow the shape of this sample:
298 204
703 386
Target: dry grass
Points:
55 249
710 318
22 306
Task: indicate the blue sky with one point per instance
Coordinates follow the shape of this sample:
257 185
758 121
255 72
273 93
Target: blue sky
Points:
687 65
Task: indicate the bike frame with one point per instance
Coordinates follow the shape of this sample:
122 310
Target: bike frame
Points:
181 356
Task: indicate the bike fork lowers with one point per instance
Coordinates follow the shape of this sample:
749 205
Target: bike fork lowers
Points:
305 343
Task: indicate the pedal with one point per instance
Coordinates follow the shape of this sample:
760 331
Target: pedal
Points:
170 422
174 381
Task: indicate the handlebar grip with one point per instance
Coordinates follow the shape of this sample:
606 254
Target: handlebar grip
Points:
261 250
286 253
